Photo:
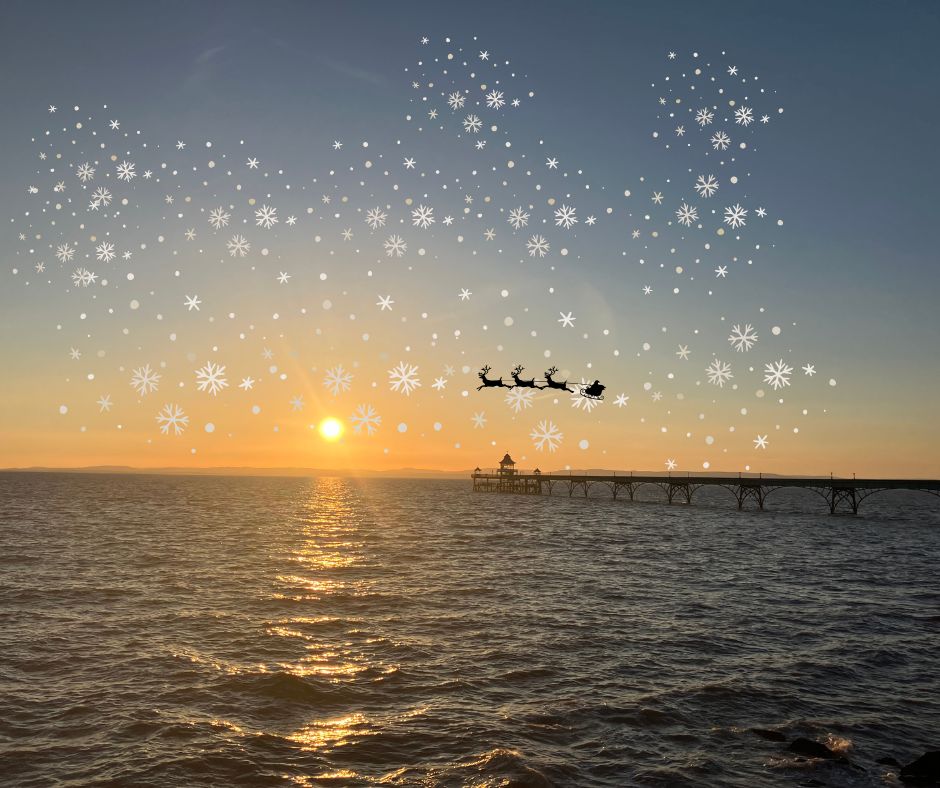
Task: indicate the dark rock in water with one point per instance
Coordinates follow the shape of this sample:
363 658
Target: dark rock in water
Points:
888 760
766 733
924 771
812 749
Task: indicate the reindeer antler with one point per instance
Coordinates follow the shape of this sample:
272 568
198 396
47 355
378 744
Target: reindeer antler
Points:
552 371
485 369
518 369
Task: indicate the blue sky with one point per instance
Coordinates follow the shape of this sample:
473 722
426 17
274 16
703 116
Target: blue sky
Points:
852 165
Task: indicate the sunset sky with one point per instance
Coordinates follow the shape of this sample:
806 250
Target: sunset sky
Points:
308 114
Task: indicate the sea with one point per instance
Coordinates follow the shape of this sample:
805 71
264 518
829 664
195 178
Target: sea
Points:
260 631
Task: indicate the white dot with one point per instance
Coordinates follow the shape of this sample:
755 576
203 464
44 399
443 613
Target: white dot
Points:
135 304
583 444
438 426
776 331
63 409
402 427
210 427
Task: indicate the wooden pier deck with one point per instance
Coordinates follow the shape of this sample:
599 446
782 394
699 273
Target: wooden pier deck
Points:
839 493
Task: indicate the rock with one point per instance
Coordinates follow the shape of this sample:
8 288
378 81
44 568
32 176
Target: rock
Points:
766 733
812 749
887 760
924 771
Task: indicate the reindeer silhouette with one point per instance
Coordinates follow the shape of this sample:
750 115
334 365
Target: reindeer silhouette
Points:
490 382
553 384
526 384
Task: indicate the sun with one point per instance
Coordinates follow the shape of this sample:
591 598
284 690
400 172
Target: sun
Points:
331 429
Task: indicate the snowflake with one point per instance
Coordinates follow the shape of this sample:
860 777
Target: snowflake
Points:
564 217
456 101
742 339
82 277
172 416
404 378
219 218
266 217
720 141
422 217
101 196
238 246
472 124
337 379
706 186
704 116
718 373
777 374
744 116
520 399
395 245
365 416
579 401
479 420
518 218
145 380
65 253
211 377
85 172
546 434
494 99
687 214
537 245
376 218
735 216
105 252
125 171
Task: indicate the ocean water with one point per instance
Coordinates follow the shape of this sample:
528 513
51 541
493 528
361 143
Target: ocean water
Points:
207 631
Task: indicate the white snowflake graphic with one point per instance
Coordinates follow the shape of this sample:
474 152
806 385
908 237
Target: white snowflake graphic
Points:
565 217
719 373
687 214
744 116
65 253
219 217
456 101
125 171
546 435
172 416
266 217
375 218
777 374
472 124
422 217
101 196
706 187
105 252
518 218
238 246
704 117
494 99
404 378
82 277
520 399
337 379
720 140
537 245
395 245
742 339
145 380
366 418
85 172
735 216
211 378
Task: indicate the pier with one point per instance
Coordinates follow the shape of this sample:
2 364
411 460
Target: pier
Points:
840 494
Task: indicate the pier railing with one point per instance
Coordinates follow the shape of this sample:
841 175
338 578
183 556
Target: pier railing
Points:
681 486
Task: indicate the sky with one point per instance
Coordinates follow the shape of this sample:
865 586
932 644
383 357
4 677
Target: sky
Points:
818 239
